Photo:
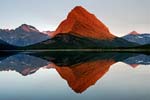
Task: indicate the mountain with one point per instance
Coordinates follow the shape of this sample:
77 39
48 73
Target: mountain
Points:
69 41
135 37
82 30
48 32
81 23
134 33
147 46
6 46
23 36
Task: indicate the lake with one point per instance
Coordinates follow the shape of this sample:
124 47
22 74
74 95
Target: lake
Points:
74 76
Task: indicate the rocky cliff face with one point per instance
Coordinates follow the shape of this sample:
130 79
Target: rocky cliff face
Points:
82 23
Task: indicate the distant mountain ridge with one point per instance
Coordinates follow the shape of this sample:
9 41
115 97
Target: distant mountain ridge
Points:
80 30
69 41
24 35
134 33
135 37
5 46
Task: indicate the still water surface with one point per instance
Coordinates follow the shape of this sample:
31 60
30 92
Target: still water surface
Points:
75 76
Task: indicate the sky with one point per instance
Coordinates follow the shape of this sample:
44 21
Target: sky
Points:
120 16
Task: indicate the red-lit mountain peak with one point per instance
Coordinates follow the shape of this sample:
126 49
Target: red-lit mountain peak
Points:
28 28
82 23
134 33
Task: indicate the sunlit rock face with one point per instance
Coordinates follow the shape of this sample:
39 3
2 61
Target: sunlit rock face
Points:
82 23
83 75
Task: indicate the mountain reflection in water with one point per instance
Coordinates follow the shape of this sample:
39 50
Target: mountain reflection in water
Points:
80 69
